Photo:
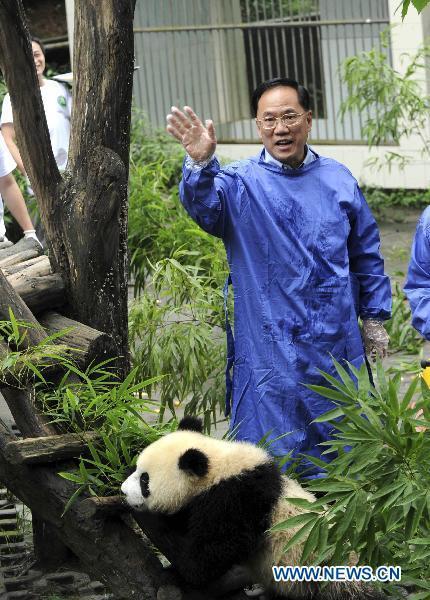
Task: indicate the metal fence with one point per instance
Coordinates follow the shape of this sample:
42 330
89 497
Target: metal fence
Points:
211 54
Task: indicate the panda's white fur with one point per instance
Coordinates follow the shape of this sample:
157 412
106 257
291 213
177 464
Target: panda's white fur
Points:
171 488
160 460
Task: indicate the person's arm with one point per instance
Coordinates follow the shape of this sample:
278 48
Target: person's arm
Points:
8 131
203 193
367 267
367 263
15 202
417 287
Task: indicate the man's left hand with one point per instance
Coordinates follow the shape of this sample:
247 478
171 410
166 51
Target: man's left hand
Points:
375 339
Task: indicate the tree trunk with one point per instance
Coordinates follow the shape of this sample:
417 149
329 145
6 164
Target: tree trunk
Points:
84 214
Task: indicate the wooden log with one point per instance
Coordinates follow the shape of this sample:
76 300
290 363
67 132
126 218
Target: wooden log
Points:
21 401
42 260
26 416
42 450
9 299
22 245
5 244
92 344
41 269
40 293
102 507
18 258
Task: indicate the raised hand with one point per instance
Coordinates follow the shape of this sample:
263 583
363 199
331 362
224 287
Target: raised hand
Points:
199 141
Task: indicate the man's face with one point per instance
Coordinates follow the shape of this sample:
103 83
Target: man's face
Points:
285 143
38 57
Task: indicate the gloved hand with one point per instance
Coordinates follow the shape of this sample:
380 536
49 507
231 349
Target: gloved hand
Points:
31 233
375 338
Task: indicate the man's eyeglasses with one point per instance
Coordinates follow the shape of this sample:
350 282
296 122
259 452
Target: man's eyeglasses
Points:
289 119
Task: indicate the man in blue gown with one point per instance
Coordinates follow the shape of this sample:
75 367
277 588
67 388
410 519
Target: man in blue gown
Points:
304 258
417 287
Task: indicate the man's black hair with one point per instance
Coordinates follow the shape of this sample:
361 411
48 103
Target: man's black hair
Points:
38 41
302 92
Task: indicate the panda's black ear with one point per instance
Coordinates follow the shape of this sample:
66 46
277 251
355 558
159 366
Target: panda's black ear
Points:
195 462
190 424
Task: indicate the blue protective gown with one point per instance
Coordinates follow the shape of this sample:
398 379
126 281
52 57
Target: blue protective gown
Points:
417 286
303 251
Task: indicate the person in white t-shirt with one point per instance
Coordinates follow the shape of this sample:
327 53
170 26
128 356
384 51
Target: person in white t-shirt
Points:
12 195
57 103
56 100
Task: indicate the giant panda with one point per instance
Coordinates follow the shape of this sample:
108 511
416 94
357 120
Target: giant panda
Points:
220 498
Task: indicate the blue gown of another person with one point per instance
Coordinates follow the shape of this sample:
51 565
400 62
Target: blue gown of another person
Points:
417 286
303 251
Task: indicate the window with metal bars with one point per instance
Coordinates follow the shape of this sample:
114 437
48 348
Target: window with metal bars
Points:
284 42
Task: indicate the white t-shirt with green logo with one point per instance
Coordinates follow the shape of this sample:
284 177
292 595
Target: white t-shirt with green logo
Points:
56 100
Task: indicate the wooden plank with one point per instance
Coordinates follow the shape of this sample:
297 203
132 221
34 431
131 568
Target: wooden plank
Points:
42 450
41 293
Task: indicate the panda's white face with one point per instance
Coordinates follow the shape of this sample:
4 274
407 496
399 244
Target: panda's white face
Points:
164 479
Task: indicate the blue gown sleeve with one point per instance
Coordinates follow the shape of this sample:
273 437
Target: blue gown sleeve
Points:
203 193
417 287
366 262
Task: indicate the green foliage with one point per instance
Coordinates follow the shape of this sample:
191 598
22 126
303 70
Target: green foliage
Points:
380 199
179 270
176 329
403 337
418 4
377 494
21 364
392 104
158 224
90 400
95 400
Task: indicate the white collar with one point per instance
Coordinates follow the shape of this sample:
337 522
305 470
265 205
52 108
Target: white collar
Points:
309 157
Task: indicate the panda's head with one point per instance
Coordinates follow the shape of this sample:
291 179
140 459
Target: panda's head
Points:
181 465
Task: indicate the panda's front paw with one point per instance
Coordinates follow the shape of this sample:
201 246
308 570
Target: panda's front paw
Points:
169 592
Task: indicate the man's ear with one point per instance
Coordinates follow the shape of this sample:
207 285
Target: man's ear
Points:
309 120
194 462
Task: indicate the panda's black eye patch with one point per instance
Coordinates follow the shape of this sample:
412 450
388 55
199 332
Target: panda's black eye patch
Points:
144 484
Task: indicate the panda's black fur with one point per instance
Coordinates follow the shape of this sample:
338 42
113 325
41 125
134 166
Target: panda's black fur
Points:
219 509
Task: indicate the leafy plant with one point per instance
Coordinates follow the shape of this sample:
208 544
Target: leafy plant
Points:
94 400
379 199
403 337
392 103
90 400
418 4
176 329
16 366
376 488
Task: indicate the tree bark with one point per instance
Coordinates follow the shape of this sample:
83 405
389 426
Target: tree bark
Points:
43 450
84 213
92 344
10 300
40 293
34 267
